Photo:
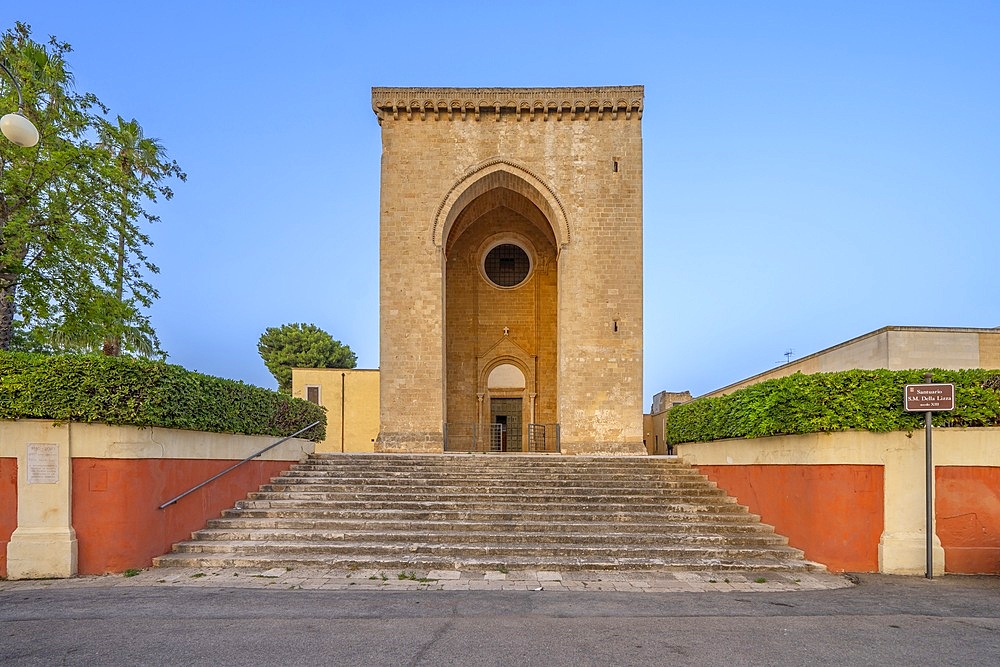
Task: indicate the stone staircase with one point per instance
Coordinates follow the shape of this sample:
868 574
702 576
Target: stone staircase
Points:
400 511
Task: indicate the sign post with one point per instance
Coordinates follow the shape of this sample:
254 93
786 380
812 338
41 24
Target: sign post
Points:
929 398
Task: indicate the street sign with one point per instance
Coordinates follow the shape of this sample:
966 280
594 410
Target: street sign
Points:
929 397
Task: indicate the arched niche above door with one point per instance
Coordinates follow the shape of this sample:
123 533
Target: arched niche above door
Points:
505 376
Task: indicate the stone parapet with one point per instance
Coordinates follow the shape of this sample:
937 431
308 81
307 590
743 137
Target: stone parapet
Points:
87 495
854 498
600 103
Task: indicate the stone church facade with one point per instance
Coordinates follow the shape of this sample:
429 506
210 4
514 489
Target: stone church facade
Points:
511 268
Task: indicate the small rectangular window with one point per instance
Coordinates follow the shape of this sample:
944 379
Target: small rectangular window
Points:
312 393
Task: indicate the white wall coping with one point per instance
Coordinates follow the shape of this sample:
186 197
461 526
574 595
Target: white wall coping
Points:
953 446
105 441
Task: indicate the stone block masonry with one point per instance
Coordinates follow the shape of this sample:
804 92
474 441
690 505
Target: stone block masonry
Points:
556 173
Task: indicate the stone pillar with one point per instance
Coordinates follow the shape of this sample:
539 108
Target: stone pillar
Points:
44 543
903 546
411 354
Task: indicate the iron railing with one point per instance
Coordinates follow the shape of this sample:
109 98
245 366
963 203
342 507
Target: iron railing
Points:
237 465
462 437
543 438
485 438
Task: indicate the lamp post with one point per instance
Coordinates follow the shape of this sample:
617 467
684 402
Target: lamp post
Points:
15 126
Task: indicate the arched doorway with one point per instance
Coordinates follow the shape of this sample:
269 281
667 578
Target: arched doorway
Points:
501 317
507 421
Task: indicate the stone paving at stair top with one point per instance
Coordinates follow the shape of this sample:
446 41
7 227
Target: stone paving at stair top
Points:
452 580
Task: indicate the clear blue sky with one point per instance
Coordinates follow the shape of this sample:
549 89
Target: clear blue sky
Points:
813 170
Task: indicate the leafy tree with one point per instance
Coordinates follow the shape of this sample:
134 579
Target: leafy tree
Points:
72 264
301 346
141 167
39 216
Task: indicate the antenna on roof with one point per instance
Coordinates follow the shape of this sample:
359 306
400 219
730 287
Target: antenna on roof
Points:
788 355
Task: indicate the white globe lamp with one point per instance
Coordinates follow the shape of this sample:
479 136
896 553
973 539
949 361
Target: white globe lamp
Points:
19 130
15 126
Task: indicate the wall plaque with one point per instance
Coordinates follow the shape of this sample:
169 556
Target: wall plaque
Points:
43 463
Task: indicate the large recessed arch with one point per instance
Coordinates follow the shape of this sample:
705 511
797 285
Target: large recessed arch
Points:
505 174
490 325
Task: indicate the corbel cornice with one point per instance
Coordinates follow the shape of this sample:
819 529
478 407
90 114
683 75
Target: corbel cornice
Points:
522 104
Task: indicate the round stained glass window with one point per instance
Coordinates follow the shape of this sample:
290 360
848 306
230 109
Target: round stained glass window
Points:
507 265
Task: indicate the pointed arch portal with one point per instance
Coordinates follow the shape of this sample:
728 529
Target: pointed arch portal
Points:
501 316
506 174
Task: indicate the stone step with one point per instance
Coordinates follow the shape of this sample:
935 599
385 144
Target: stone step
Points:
497 465
478 549
506 472
320 477
668 512
514 505
530 511
536 538
326 482
679 525
527 495
718 514
398 563
547 479
498 459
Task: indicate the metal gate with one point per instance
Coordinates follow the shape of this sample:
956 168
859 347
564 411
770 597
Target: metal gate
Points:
505 425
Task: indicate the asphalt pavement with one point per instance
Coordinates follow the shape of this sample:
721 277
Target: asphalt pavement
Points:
149 619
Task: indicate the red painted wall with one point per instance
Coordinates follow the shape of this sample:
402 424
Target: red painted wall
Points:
115 505
834 513
967 511
8 507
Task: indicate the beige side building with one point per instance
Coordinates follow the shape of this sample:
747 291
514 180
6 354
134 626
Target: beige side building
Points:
656 439
511 268
351 399
894 348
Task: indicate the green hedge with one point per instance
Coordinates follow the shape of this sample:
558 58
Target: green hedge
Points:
126 391
860 399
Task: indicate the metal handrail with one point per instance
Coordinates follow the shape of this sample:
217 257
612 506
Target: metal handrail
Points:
237 465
